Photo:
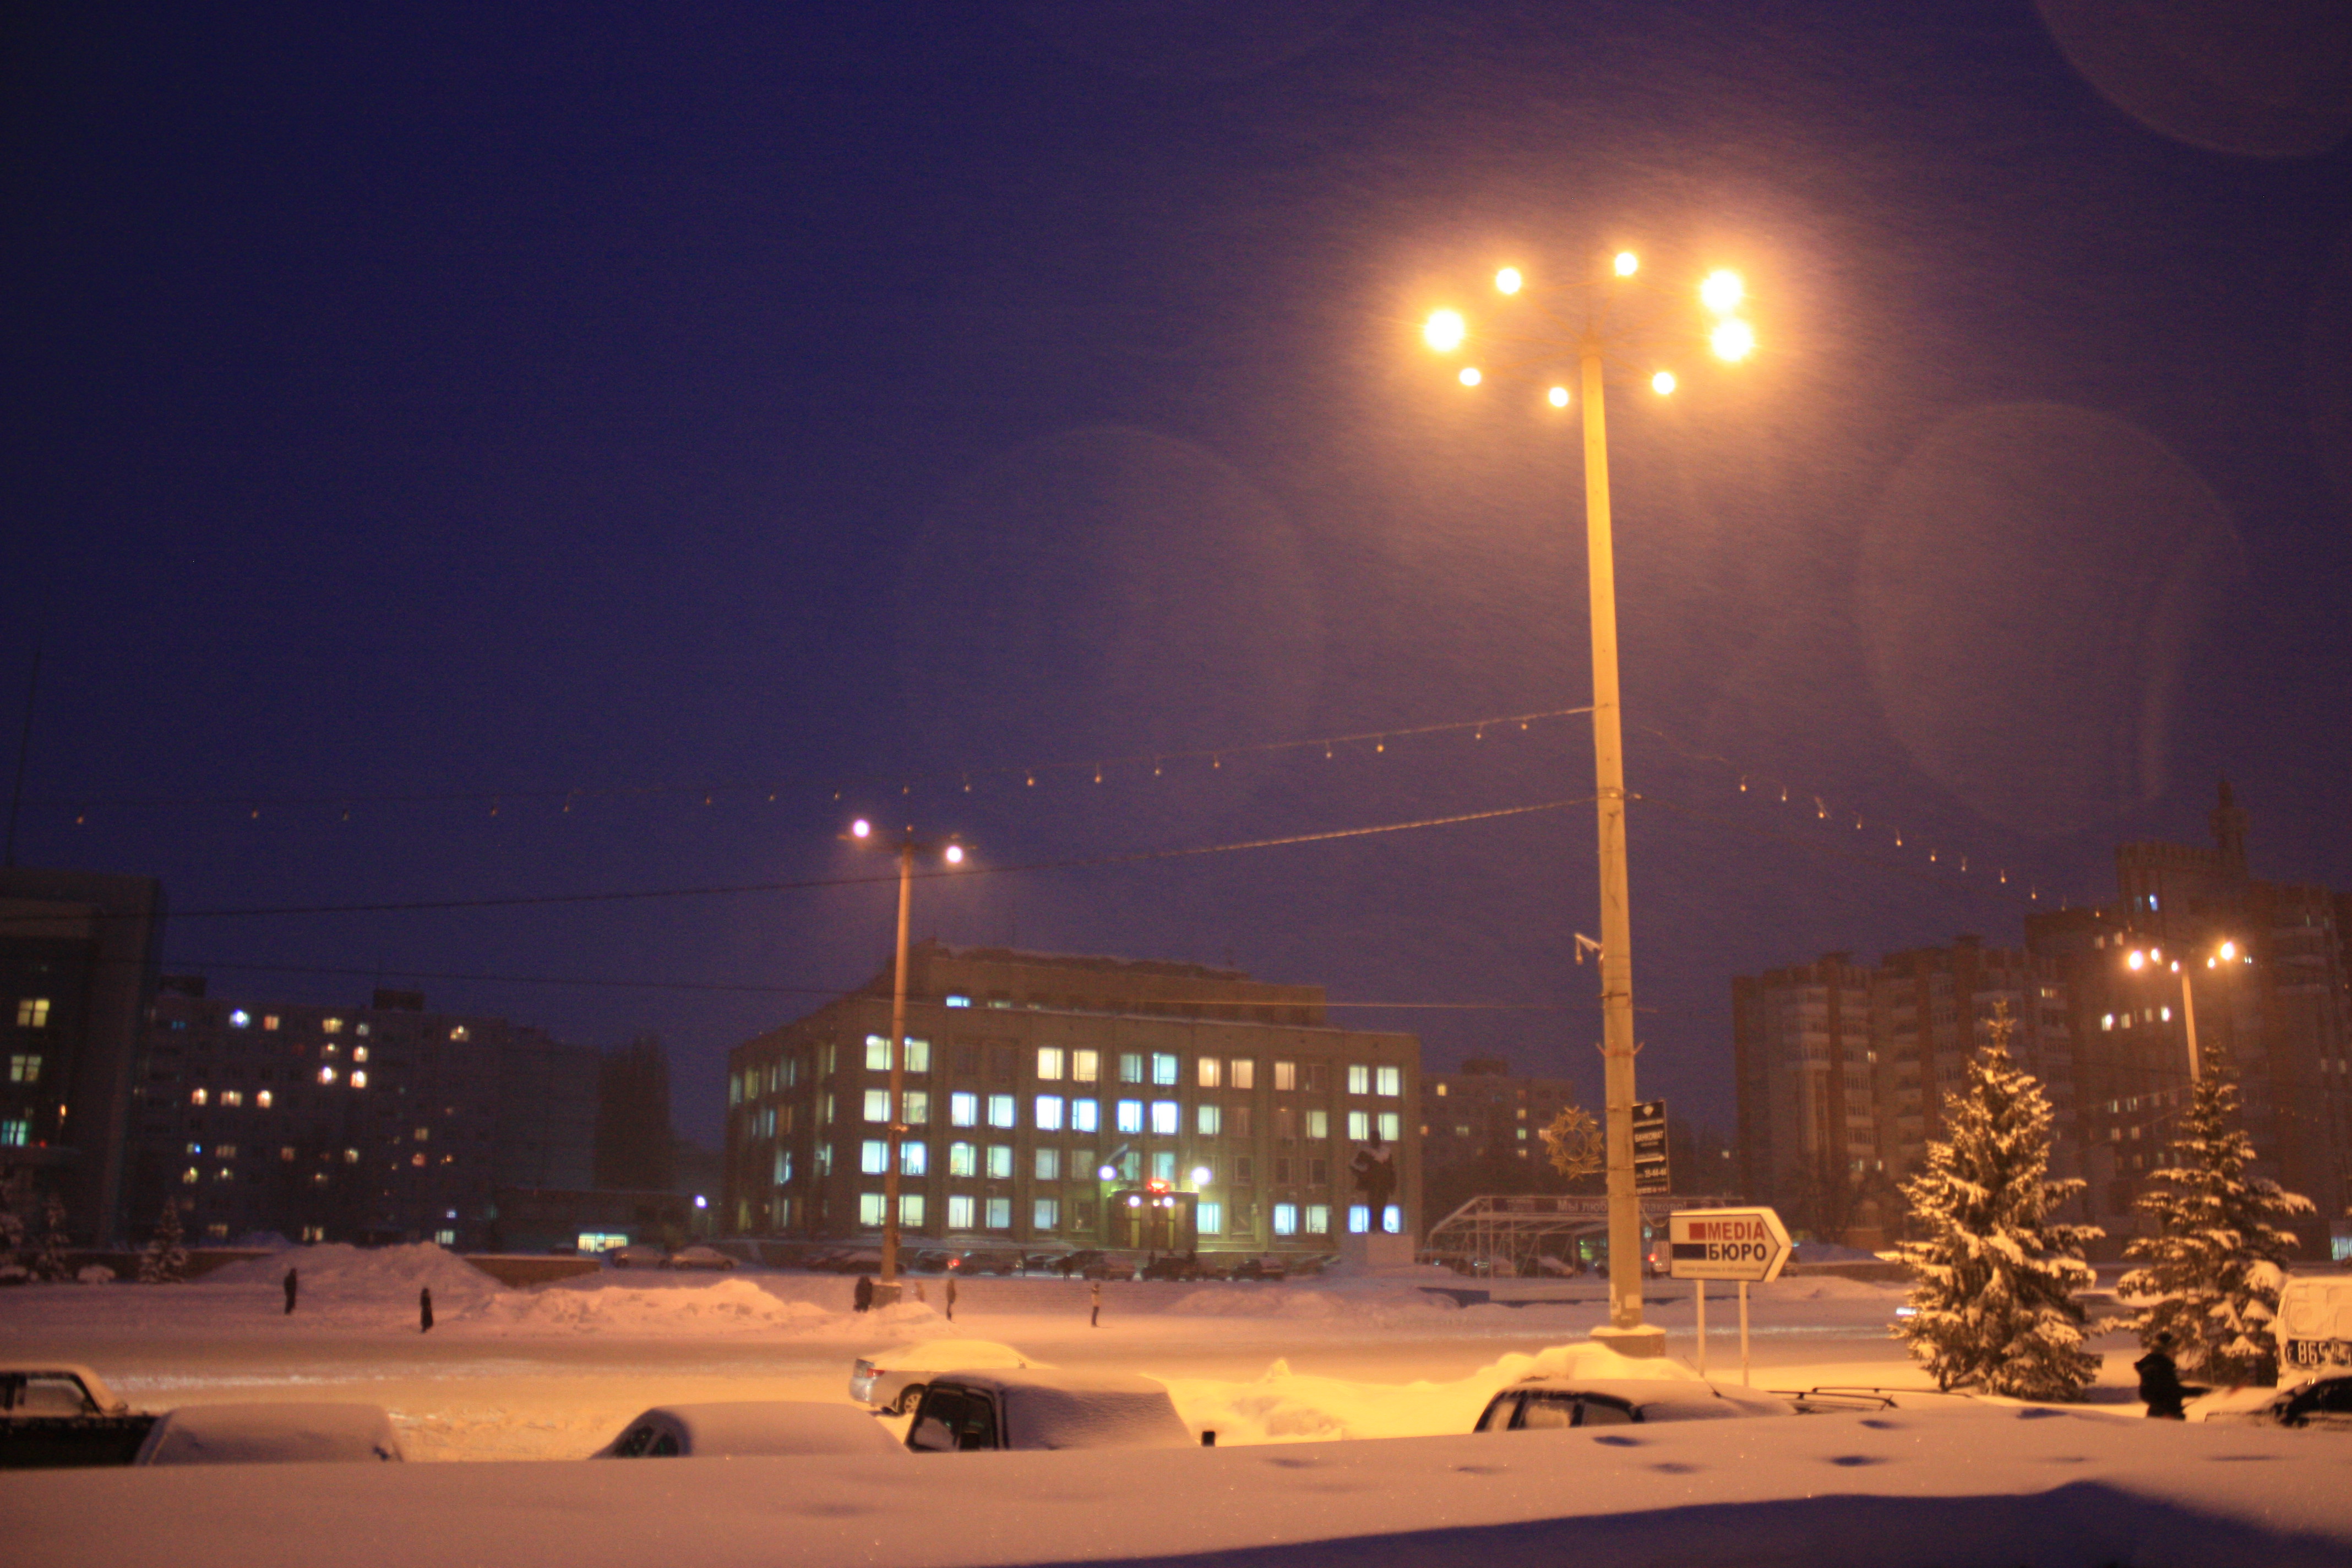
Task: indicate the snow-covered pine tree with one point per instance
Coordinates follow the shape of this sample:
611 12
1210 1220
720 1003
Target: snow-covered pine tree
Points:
165 1261
2213 1269
1994 1306
49 1259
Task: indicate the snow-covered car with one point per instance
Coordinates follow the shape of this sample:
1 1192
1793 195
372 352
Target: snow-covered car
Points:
2324 1403
1039 1409
748 1428
892 1380
283 1434
698 1258
1839 1399
636 1257
60 1414
1541 1404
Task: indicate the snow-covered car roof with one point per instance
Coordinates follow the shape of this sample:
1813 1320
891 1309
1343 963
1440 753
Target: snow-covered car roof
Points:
751 1428
283 1434
1050 1409
947 1355
1665 1398
108 1403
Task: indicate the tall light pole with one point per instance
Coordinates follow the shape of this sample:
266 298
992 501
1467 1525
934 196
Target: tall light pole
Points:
2227 953
1594 328
862 831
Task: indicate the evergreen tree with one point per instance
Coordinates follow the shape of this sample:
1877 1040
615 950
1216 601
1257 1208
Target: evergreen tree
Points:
165 1261
49 1261
1994 1306
2214 1266
16 1204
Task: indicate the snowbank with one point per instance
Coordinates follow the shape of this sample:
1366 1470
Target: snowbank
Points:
335 1272
726 1306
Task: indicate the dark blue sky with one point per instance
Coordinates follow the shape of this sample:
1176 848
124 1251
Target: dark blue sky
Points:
418 416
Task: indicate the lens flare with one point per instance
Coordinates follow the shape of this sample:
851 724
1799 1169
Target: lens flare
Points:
1445 331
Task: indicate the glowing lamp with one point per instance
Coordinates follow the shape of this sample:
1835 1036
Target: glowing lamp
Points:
861 828
1470 376
1107 1174
1627 263
1557 396
1722 292
1508 280
2138 960
1662 383
2229 950
1201 1174
955 855
1733 341
1445 331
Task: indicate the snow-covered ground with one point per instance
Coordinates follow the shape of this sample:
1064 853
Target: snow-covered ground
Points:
551 1373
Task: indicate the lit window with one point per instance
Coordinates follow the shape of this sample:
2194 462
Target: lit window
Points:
188 1177
1049 1113
1129 1115
1392 1218
330 1026
911 1210
1209 1074
417 1161
960 1211
1360 1219
1163 1068
1318 1219
963 1159
459 1034
1048 1213
877 1105
1389 1081
1000 1162
232 1097
1163 1166
33 1013
359 1053
999 1110
328 1050
1319 1125
446 1238
1393 1127
1131 1067
24 1069
239 1019
1086 1067
326 1075
1285 1215
362 1027
914 1159
284 1152
1085 1115
196 1148
1243 1071
1167 1118
1207 1120
2106 1020
959 1001
1210 1217
877 1053
2167 1015
869 1208
269 1020
1360 1078
1359 1126
423 1134
1049 1165
915 1108
200 1097
1049 1063
359 1079
1000 1213
963 1110
873 1156
1286 1078
1441 1091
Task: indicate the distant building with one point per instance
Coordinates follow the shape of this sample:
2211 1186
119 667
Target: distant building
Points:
1482 1133
2280 1009
1030 1073
366 1124
1843 1071
77 961
635 1148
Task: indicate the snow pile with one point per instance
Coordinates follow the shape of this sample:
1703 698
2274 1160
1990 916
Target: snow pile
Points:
1381 1308
726 1306
336 1273
1831 1287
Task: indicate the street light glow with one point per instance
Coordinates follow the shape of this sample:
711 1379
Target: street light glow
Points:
1445 331
1732 340
2229 950
1662 383
1722 292
1201 1174
1108 1172
955 855
1470 376
2138 960
861 828
1559 397
1508 280
1627 263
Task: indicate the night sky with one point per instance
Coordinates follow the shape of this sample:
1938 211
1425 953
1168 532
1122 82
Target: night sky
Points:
459 453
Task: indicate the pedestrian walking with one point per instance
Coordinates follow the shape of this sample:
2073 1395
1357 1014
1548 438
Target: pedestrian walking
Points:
1094 1317
292 1283
862 1296
951 1295
2159 1381
424 1310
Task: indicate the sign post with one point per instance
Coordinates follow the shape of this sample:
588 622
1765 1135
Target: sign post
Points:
1749 1246
1651 1174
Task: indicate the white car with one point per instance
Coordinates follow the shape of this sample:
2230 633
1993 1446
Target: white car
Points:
1541 1404
287 1433
962 1411
748 1428
894 1380
637 1256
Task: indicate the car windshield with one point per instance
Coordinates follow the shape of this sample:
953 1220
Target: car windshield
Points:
951 1419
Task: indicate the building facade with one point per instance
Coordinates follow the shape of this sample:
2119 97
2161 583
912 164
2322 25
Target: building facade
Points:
77 963
1040 1086
1482 1132
364 1124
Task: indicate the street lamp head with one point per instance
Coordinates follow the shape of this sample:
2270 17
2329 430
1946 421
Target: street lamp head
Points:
1108 1172
1557 396
2137 960
2229 950
1662 383
954 855
1470 376
1445 331
1508 280
1722 292
1732 340
1627 263
861 828
1201 1174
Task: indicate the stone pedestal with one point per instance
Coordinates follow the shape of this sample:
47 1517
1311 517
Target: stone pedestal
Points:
1646 1341
1373 1250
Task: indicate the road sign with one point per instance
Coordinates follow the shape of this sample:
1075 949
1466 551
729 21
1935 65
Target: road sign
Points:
1650 1172
1747 1244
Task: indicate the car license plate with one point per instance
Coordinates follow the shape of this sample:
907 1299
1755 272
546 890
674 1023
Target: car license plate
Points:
2319 1352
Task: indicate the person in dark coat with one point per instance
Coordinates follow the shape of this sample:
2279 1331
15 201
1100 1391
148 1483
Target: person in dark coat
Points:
951 1293
1094 1317
292 1283
425 1309
2159 1381
862 1296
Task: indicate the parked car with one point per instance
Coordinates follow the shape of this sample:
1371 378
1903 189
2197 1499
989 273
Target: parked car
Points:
933 1260
636 1256
698 1257
2324 1403
991 1263
2315 1323
1108 1265
962 1411
1257 1268
894 1380
56 1415
748 1428
1843 1399
294 1432
1173 1266
1537 1404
